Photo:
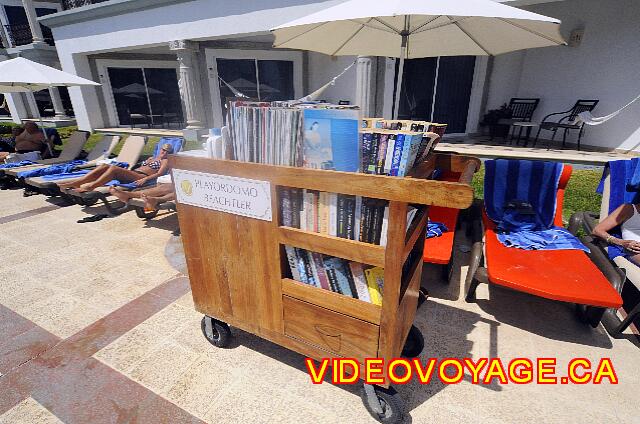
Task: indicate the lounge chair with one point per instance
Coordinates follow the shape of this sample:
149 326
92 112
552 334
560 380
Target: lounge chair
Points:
102 193
567 120
562 275
439 250
70 151
130 153
619 270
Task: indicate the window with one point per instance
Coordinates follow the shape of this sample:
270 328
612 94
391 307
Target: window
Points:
146 96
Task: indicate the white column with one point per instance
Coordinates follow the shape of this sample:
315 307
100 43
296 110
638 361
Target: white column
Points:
16 107
189 82
365 85
33 105
36 31
54 92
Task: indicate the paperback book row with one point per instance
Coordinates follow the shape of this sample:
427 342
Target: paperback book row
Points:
340 215
405 125
338 275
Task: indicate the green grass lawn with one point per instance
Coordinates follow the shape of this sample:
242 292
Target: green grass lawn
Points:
65 132
580 194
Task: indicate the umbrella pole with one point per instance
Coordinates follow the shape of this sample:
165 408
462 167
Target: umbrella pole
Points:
44 133
396 103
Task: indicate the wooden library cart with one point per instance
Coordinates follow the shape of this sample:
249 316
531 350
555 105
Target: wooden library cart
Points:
240 275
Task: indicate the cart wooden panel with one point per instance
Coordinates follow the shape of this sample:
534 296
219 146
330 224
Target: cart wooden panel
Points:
239 271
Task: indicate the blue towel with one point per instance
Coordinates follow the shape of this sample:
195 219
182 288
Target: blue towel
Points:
435 229
130 186
61 168
535 182
532 182
64 176
554 238
624 183
16 164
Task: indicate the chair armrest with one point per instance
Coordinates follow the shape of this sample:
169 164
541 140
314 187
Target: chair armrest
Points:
556 113
599 257
585 220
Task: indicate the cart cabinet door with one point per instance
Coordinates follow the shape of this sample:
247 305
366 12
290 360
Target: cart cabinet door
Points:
331 331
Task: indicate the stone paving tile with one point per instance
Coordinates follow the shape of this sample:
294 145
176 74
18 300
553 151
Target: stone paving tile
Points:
29 411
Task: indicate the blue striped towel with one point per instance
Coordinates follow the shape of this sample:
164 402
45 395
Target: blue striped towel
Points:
533 182
61 168
16 164
435 229
624 183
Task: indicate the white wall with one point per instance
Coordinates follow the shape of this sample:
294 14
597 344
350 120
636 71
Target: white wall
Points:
193 20
606 66
322 68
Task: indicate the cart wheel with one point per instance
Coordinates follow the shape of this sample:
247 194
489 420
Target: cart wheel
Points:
389 402
145 215
218 333
414 344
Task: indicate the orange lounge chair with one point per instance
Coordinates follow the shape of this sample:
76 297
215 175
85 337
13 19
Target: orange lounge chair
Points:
562 275
439 250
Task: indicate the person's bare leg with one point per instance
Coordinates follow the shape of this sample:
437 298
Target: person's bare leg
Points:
112 173
152 202
124 196
85 179
635 259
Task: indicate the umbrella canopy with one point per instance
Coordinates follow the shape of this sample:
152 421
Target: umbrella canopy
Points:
425 28
411 29
22 75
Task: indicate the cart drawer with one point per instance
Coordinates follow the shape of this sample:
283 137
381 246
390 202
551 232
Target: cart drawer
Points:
331 331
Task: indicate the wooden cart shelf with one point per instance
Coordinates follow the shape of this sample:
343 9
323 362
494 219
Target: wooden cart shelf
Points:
239 271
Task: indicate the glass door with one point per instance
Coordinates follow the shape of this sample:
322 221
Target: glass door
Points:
437 90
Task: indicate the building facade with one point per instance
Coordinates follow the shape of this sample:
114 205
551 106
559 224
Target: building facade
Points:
173 64
22 35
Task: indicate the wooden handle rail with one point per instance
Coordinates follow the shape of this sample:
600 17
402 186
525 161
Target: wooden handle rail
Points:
410 190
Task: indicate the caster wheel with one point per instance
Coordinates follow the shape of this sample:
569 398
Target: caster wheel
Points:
140 212
216 332
389 402
414 344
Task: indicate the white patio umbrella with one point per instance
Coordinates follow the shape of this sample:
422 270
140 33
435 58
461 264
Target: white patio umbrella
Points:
418 28
23 75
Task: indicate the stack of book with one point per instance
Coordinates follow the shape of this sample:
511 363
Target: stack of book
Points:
338 275
339 215
405 125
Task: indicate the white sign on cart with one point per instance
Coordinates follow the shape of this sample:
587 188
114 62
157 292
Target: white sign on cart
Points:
238 196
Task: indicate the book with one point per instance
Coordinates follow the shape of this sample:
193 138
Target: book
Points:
309 210
320 270
365 150
365 220
337 265
323 211
315 210
373 156
349 216
350 279
375 283
391 144
292 258
312 269
303 209
296 205
409 149
360 282
385 226
285 208
357 214
333 214
382 154
331 139
397 155
307 264
333 281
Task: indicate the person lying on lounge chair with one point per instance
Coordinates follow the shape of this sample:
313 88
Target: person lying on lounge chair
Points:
30 139
152 196
627 216
8 142
150 169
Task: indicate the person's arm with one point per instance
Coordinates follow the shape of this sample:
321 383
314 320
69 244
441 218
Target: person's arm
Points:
617 217
161 171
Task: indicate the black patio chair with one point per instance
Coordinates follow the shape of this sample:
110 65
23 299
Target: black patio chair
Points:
519 110
568 121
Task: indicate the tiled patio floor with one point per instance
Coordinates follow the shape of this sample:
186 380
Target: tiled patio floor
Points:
97 326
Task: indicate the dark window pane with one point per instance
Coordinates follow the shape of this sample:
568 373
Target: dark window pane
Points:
130 95
276 80
164 96
239 74
417 89
455 77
